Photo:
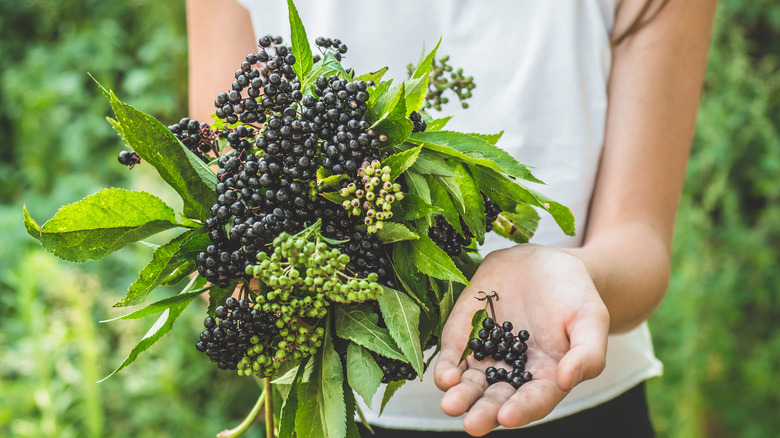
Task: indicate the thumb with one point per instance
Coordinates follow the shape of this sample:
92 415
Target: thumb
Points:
586 357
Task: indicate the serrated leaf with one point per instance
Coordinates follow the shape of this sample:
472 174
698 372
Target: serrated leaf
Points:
476 326
102 223
491 182
349 402
155 271
431 163
181 272
402 317
363 373
373 76
162 305
415 207
377 96
30 225
394 232
401 161
290 405
453 189
418 185
325 179
178 166
335 197
390 389
474 150
300 43
445 306
432 260
394 122
411 280
163 325
417 86
490 138
321 408
474 214
518 226
358 324
441 198
437 124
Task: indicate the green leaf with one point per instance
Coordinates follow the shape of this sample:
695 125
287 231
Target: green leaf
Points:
178 166
431 163
321 408
510 193
518 226
417 85
394 232
453 189
390 389
401 161
326 66
415 207
358 324
300 43
102 223
349 403
155 271
379 97
218 295
363 373
476 326
445 306
474 214
474 150
490 138
402 317
30 225
162 305
437 124
181 272
418 185
394 122
325 179
432 260
441 198
163 325
373 76
408 275
290 405
335 197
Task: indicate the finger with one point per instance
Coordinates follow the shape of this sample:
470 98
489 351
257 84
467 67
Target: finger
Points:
586 357
483 415
454 337
459 399
531 402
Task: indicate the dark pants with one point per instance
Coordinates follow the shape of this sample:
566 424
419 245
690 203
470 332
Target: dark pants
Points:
623 417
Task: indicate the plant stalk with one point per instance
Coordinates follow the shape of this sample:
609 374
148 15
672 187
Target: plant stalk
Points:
241 428
269 408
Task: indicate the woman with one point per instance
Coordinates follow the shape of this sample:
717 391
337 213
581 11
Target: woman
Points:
601 96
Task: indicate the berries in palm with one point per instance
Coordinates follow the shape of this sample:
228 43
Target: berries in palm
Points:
500 344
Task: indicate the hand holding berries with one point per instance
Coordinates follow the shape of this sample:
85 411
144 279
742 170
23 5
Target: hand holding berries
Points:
547 292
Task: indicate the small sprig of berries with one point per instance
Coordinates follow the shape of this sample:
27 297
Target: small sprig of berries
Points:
129 158
372 195
334 45
459 84
499 343
198 137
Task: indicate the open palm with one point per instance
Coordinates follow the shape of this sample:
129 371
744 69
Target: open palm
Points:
543 290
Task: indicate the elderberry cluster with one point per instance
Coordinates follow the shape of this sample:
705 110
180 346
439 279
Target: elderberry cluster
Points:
394 369
499 343
198 137
238 327
340 114
447 237
372 195
333 45
292 343
368 256
418 124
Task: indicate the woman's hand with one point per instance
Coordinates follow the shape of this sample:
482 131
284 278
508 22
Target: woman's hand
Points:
548 292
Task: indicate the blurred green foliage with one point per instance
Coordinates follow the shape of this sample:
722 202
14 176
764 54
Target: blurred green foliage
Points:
718 331
57 148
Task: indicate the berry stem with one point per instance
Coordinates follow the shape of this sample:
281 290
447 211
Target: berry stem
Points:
269 408
250 418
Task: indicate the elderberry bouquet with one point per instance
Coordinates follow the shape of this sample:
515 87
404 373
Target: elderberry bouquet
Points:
333 239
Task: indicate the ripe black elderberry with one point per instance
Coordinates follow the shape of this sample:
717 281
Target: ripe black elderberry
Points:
447 238
129 158
499 343
198 137
394 369
239 326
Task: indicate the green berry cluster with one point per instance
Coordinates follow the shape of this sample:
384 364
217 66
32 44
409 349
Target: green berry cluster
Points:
372 195
293 343
439 83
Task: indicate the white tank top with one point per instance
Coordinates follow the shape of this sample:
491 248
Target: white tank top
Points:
541 69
